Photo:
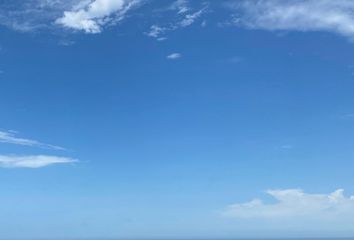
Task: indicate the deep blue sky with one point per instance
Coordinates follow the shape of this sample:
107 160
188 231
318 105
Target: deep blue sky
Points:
161 146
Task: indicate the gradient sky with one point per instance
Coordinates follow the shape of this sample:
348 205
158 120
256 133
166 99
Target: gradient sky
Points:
144 119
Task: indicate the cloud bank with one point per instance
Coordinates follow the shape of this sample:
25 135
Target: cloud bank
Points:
297 207
10 137
299 15
91 16
38 161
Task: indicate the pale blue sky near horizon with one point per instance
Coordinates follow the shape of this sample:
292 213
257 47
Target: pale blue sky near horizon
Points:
167 119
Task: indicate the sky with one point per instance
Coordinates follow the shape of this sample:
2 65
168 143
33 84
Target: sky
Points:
146 119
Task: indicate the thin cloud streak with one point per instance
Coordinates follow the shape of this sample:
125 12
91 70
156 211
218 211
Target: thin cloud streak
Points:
38 161
10 138
174 56
185 18
181 6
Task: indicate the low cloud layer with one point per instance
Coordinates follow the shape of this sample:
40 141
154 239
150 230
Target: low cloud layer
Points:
297 207
32 161
11 138
299 15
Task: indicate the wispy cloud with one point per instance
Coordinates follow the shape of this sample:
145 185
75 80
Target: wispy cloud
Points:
189 19
182 6
32 161
299 15
91 16
174 56
297 206
11 138
186 16
32 15
156 31
87 15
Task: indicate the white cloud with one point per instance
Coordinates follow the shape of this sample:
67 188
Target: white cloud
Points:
10 137
32 15
189 19
300 15
156 31
181 6
185 18
160 39
298 207
86 15
32 161
174 56
91 16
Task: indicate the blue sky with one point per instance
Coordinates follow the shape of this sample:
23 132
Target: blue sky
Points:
177 119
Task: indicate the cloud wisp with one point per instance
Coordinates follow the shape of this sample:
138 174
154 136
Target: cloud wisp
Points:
38 161
298 207
11 138
189 19
92 16
182 6
89 16
297 15
185 17
32 15
174 56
